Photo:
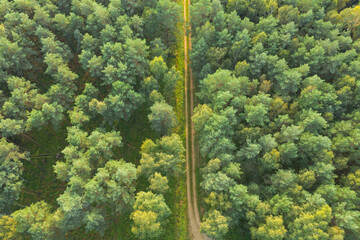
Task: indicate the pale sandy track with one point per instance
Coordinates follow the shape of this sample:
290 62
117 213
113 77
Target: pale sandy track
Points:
193 210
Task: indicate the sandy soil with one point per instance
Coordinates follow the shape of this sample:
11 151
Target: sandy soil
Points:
193 210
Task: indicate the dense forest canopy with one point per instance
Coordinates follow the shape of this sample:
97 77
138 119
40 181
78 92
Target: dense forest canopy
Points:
82 71
278 121
92 120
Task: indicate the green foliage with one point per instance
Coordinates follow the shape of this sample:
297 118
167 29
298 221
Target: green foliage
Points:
43 47
215 225
115 182
11 169
36 221
165 156
148 85
277 83
277 126
256 115
120 103
161 21
8 228
10 127
158 183
158 68
149 216
93 180
145 225
162 117
311 225
272 229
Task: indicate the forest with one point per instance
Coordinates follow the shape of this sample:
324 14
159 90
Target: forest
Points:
179 119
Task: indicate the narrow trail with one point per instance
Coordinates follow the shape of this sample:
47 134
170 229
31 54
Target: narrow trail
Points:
193 210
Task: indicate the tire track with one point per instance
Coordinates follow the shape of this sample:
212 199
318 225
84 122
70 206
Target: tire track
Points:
193 210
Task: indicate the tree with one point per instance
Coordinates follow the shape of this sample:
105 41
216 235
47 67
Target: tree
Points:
349 19
307 178
78 117
290 133
148 85
82 100
202 114
60 94
240 6
278 124
241 68
158 183
24 96
342 200
283 181
135 58
311 145
272 229
36 221
289 81
8 228
250 151
53 112
215 225
171 79
281 204
150 215
217 182
95 181
287 13
222 81
11 169
158 49
215 132
158 68
200 12
121 102
95 66
145 225
353 179
162 21
256 115
35 120
312 122
271 159
10 127
165 156
85 57
71 208
155 96
198 57
95 222
113 185
310 225
162 117
58 69
242 200
13 58
277 83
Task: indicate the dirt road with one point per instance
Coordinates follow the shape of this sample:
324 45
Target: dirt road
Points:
193 210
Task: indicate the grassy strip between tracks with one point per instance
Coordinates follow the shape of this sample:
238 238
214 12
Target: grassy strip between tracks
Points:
180 208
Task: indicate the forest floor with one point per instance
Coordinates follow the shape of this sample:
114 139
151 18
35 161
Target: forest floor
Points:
193 211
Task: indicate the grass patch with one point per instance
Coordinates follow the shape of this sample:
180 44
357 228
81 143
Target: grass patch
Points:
179 209
41 181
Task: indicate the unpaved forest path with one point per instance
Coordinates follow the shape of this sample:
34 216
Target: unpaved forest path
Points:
193 210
